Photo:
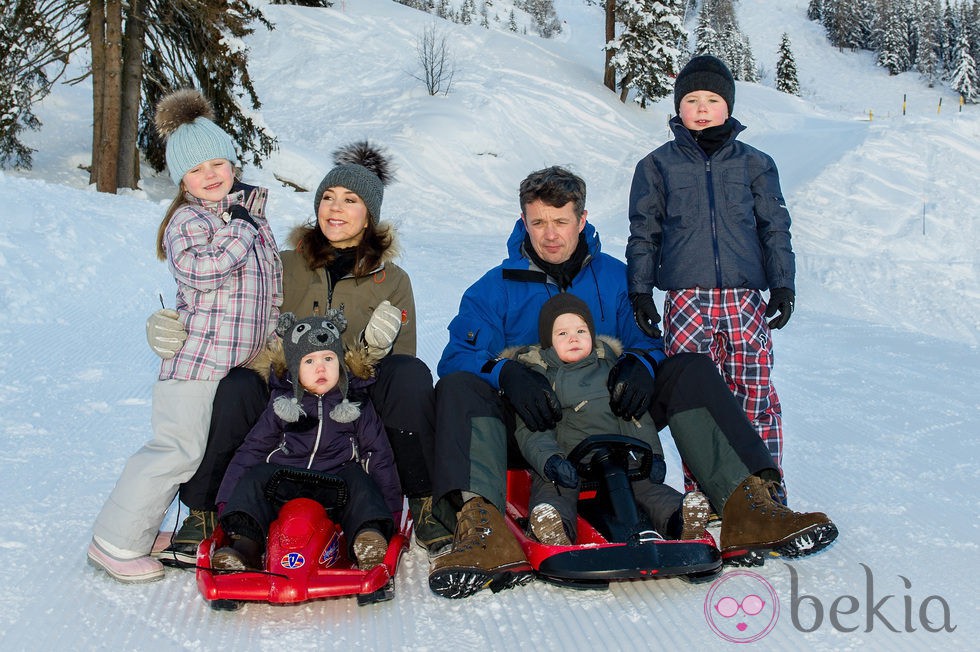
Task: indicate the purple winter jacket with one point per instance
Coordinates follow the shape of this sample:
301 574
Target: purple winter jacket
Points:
317 442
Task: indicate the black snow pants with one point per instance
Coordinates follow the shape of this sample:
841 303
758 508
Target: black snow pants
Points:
402 395
475 432
365 506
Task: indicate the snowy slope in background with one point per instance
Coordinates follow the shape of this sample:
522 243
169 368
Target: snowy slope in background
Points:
877 371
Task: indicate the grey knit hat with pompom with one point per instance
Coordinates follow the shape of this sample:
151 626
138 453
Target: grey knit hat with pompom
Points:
185 119
362 168
301 338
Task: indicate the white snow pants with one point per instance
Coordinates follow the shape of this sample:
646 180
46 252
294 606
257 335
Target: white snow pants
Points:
132 515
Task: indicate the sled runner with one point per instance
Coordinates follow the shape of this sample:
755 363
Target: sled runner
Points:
614 541
306 554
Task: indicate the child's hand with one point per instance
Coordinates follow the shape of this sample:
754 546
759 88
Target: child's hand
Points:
164 333
781 300
558 469
645 313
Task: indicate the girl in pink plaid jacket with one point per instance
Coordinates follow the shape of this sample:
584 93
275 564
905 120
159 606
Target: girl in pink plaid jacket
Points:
224 258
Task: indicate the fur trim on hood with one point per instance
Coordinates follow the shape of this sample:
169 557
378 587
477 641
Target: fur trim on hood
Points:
606 347
273 359
390 254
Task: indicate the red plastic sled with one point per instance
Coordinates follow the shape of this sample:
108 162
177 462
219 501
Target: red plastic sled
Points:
305 560
606 549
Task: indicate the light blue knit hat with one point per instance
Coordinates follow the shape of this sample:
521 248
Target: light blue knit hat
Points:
185 119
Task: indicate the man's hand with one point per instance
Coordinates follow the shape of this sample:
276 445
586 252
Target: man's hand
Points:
558 469
781 300
532 397
645 313
630 385
382 329
164 333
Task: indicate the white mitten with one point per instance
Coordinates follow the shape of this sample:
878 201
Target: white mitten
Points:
164 333
382 329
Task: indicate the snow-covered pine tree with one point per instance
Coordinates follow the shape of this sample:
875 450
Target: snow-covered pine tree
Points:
546 22
928 27
814 11
466 11
707 41
787 80
893 46
39 35
645 53
965 79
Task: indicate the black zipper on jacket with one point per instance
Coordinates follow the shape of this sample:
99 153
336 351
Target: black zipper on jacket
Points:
713 216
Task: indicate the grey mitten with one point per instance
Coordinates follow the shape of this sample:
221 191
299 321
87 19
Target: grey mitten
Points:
164 333
382 329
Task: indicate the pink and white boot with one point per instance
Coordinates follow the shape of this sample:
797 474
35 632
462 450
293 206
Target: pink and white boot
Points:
130 571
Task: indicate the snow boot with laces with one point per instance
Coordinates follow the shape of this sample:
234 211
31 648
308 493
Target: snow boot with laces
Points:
430 533
755 525
182 551
484 554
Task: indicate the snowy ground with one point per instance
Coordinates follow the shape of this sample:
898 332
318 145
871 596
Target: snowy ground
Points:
878 370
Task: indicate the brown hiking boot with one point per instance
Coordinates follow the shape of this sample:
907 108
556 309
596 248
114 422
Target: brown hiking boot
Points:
756 525
484 555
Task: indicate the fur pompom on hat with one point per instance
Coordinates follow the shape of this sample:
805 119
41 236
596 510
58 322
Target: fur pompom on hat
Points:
561 303
301 338
362 168
705 73
185 119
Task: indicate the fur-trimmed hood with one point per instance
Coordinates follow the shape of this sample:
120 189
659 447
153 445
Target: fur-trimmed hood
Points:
390 254
272 360
531 354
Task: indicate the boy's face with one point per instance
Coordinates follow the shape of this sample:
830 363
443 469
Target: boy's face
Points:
570 337
702 109
319 372
211 180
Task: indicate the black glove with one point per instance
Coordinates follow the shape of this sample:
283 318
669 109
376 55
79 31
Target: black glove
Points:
239 212
532 397
558 469
630 386
781 300
645 313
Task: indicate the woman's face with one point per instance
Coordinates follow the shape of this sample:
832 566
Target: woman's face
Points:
342 217
210 181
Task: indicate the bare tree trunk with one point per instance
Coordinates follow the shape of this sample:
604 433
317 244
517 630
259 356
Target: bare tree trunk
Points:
609 73
128 174
96 29
112 99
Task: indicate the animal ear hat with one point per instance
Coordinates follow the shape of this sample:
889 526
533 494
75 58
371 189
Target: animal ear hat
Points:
301 338
185 119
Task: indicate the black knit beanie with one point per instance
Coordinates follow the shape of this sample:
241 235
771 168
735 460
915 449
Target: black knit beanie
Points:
562 303
705 73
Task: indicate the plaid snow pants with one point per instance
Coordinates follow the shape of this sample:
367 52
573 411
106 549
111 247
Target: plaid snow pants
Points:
729 326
